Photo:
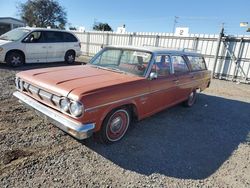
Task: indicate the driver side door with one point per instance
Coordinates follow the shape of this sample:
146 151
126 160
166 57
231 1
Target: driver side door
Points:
163 88
36 48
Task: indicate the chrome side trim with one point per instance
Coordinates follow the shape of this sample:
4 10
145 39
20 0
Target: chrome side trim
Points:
135 96
70 126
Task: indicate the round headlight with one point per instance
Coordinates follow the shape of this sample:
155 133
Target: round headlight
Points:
64 104
76 108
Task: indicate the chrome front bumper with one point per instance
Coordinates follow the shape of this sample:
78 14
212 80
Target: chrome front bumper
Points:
72 127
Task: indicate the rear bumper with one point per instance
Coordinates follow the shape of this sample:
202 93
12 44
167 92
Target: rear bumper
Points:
72 127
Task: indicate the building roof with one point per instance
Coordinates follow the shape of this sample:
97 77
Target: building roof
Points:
15 19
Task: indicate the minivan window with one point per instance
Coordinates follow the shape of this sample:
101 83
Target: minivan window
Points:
34 37
197 63
15 34
69 37
53 36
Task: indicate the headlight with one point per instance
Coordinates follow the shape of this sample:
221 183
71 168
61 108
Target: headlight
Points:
76 108
1 49
64 104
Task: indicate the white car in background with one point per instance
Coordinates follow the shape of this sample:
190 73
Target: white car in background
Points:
38 45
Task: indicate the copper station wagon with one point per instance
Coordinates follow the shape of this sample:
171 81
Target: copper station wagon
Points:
121 83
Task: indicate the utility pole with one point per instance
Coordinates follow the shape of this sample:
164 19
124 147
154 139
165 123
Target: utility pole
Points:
175 22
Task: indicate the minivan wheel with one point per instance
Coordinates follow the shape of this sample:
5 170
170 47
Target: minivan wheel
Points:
191 99
70 57
15 59
114 126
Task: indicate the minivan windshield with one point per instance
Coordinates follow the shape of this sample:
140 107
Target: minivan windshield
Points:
123 60
14 35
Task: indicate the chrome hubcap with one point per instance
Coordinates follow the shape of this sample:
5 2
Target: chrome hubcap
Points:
15 60
116 125
70 58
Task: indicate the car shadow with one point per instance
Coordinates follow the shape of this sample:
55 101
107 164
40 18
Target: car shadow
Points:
30 66
187 143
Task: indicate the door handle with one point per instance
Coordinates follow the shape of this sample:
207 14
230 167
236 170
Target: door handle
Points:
192 77
44 47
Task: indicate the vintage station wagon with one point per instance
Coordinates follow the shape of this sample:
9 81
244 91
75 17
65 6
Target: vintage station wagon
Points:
121 83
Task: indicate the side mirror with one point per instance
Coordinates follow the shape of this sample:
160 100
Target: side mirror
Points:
26 40
153 75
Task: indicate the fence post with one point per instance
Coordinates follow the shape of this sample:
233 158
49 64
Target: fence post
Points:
237 62
217 50
107 39
157 40
88 43
130 42
195 46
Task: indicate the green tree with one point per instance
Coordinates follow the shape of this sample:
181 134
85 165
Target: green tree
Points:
102 27
43 13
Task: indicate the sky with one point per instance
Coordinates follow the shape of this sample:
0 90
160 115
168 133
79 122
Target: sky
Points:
205 17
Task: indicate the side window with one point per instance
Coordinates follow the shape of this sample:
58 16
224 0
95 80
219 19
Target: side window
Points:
53 36
179 64
34 37
69 37
163 65
197 63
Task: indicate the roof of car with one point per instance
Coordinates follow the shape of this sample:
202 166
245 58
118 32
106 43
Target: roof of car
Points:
40 28
158 50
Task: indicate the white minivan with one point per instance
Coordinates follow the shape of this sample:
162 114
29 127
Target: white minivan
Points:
38 45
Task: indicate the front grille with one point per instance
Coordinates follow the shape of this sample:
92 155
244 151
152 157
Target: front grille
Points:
37 93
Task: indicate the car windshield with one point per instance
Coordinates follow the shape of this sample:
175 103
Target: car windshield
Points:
123 61
14 34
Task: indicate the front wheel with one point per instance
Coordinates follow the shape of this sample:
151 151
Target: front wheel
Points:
191 99
70 57
114 126
15 59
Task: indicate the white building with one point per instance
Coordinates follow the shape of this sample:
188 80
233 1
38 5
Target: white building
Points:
9 23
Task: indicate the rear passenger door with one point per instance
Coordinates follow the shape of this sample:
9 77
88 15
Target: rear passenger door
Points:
55 45
184 78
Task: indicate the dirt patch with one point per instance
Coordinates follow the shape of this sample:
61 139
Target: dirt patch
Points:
13 155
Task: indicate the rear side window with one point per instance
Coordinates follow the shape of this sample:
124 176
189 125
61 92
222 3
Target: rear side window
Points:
179 64
197 63
68 37
53 36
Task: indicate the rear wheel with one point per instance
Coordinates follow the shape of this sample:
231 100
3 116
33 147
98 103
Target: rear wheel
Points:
70 57
191 99
15 59
114 126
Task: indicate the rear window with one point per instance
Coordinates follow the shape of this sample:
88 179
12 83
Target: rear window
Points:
69 37
197 63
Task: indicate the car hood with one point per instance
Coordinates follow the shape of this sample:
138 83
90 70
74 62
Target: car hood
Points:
2 42
82 79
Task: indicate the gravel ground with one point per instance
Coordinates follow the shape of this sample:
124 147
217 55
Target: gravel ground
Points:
207 145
